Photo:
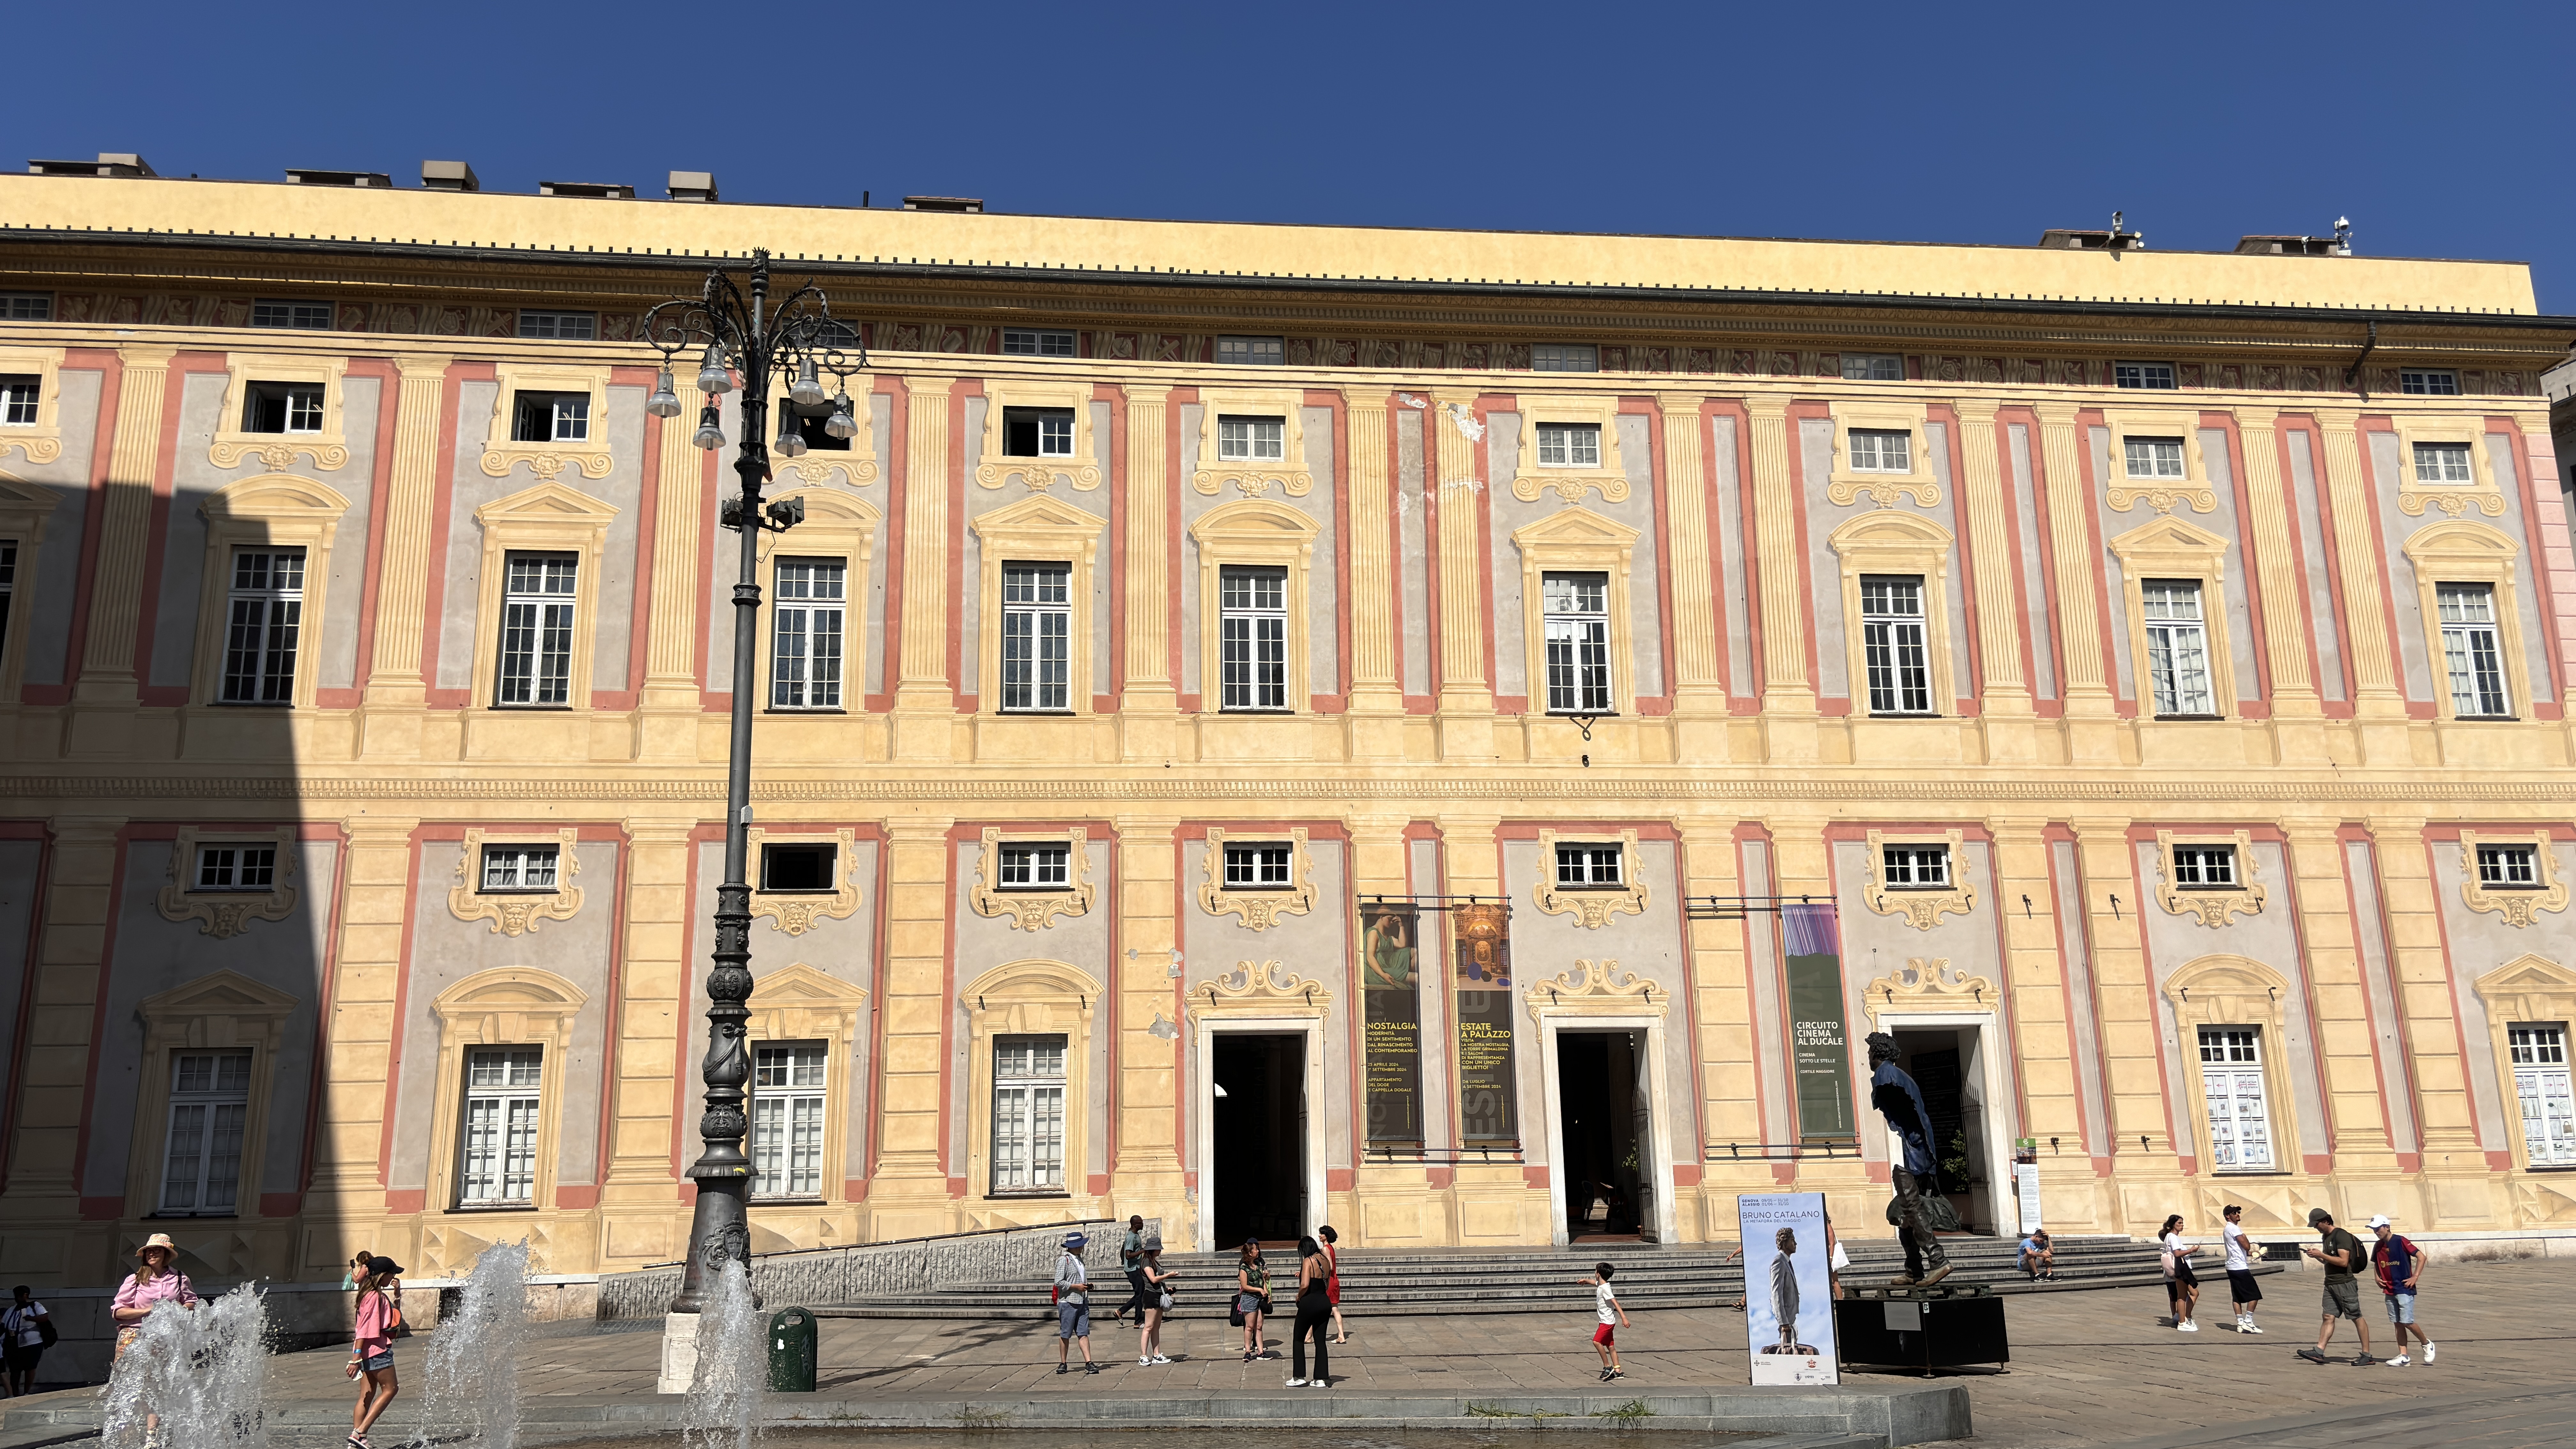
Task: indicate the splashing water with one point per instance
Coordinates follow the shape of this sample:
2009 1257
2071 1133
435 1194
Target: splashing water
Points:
199 1369
470 1379
722 1408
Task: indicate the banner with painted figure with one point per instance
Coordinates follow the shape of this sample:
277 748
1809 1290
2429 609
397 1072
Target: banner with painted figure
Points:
1484 1005
1788 1288
1391 1003
1819 1040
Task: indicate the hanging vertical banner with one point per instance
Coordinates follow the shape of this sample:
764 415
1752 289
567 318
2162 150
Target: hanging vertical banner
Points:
1391 1000
1819 1041
1788 1287
1484 1006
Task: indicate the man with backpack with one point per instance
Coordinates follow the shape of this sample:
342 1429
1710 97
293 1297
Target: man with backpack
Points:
2400 1266
2342 1255
26 1331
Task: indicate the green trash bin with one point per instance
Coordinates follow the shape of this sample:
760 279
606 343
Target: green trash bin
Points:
791 1351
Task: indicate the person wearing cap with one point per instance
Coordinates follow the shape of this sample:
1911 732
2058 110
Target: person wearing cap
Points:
2341 1255
1073 1305
2399 1265
371 1353
2242 1291
1158 1301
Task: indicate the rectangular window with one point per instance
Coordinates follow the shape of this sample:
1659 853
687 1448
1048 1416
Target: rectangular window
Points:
1260 865
1037 637
1915 867
282 407
1252 637
1873 367
2471 650
1033 342
1037 867
1588 864
1028 1114
2142 374
799 867
1250 440
2177 646
19 394
2204 867
1037 432
501 1101
8 585
806 632
236 867
26 306
209 1108
1893 648
509 868
536 630
2540 1080
787 1121
264 620
1569 445
2231 1083
1565 357
1575 609
2509 867
301 316
1880 451
562 326
1251 351
2429 381
552 417
2153 457
2442 463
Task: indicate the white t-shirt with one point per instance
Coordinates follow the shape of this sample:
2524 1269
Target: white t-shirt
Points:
2174 1244
20 1325
2238 1252
1606 1303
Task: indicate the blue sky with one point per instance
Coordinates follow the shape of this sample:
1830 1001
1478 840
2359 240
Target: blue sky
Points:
2441 131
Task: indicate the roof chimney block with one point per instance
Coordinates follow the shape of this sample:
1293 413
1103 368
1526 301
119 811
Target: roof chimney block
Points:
449 176
692 186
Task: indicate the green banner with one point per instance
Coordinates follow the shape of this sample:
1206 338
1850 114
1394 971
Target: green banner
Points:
1819 1039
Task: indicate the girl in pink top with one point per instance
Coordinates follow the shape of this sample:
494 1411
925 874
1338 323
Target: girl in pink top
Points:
153 1283
371 1357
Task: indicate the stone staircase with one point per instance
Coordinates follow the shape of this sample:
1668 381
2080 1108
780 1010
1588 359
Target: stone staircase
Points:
1382 1282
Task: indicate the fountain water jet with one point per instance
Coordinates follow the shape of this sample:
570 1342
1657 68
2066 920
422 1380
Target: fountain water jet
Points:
469 1380
199 1369
722 1408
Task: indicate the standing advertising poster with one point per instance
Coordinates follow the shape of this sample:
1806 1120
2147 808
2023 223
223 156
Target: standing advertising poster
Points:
1391 997
1788 1288
2026 1190
1484 1007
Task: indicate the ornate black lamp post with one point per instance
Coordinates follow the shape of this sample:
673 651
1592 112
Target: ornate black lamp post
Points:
798 338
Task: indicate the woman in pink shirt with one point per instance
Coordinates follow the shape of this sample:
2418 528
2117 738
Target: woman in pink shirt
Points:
154 1282
371 1357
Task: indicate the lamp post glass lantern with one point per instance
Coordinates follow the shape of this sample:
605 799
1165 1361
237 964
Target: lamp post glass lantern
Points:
795 337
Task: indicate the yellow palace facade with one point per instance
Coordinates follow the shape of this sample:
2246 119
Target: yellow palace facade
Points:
1457 735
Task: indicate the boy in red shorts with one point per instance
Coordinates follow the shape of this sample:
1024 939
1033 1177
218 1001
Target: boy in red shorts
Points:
1606 1304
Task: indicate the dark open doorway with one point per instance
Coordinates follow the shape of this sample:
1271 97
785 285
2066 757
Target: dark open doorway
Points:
1607 1128
1259 1139
1945 1063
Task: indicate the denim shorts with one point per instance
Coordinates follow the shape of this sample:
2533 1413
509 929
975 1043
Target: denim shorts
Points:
2401 1307
377 1363
1073 1320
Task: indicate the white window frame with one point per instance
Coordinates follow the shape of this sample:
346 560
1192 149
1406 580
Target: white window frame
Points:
1259 865
2537 1052
568 417
1915 866
2144 376
1569 445
263 627
2454 465
235 865
1029 1117
1251 351
215 1109
1035 865
2510 867
1253 639
558 326
1055 432
547 619
1037 638
2166 459
1565 357
1881 450
808 630
1251 439
306 413
1579 676
520 869
790 1111
1888 633
1873 367
22 397
2473 650
291 314
2235 1094
2178 672
2207 867
501 1129
1591 865
2428 382
1038 342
